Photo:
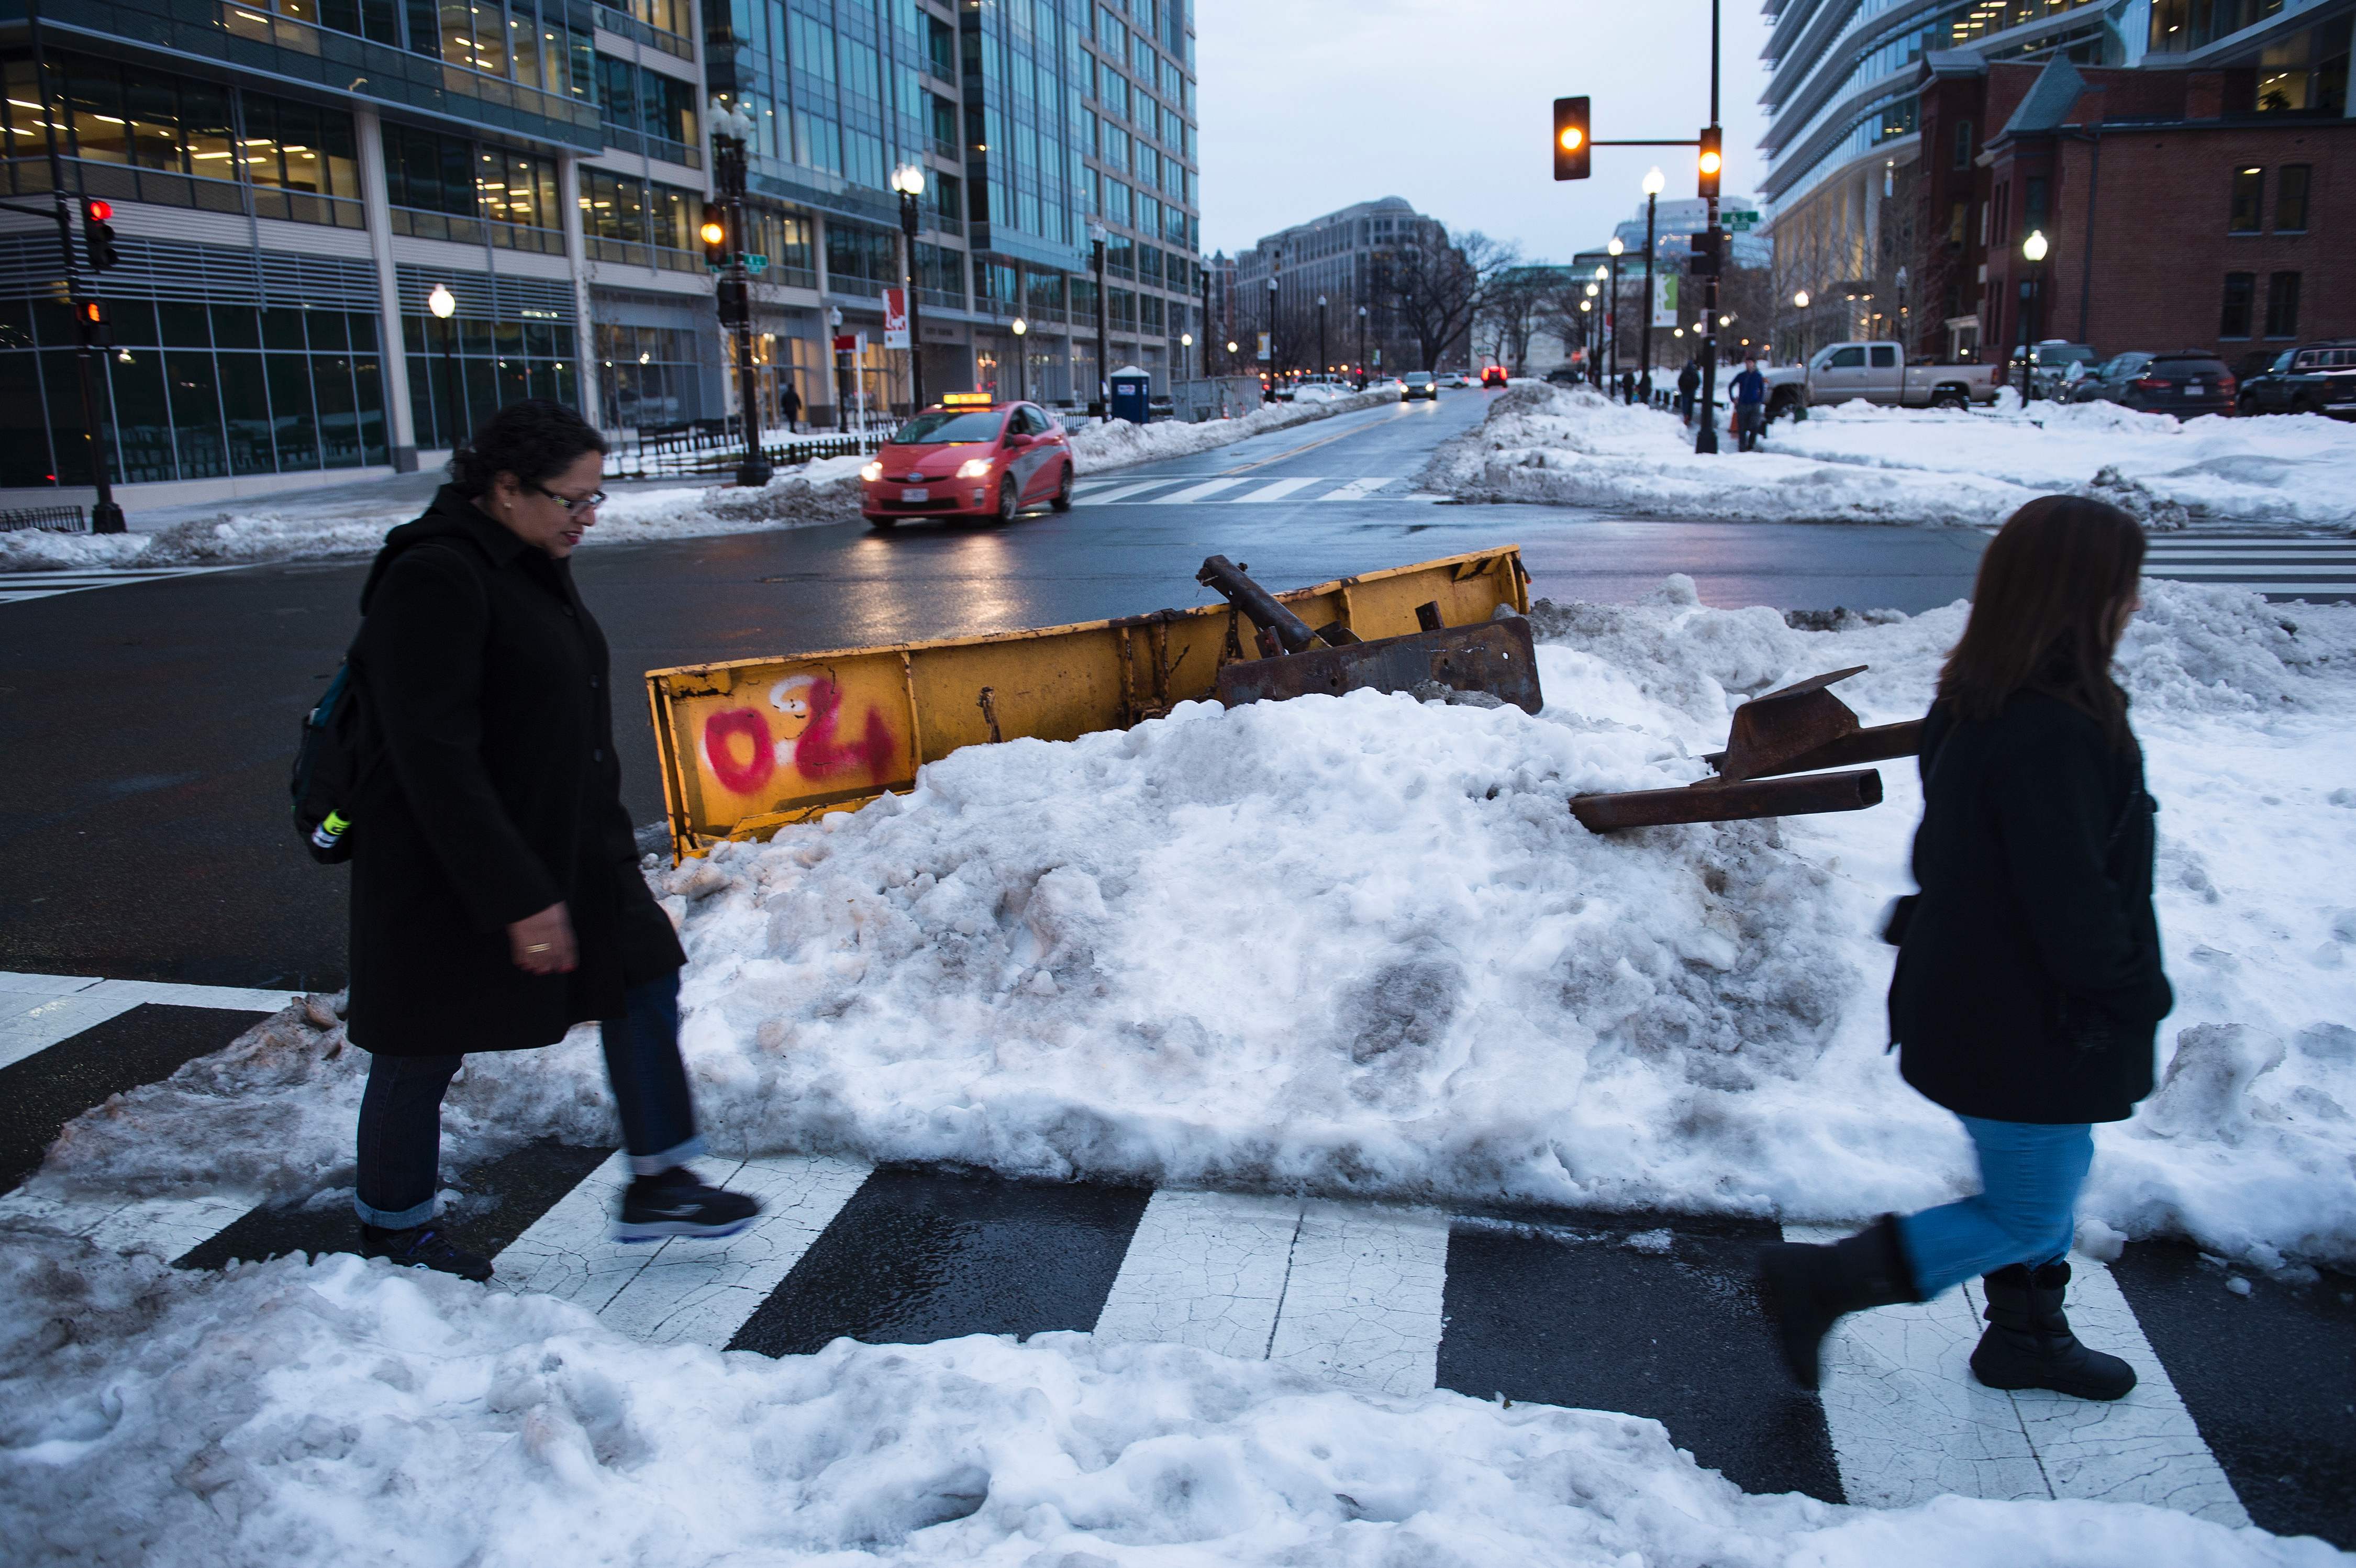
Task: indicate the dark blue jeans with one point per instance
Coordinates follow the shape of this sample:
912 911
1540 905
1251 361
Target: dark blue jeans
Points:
400 1111
2025 1211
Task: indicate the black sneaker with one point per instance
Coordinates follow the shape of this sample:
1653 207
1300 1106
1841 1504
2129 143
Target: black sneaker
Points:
423 1247
677 1204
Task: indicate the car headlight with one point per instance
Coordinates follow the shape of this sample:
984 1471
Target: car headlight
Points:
974 469
873 472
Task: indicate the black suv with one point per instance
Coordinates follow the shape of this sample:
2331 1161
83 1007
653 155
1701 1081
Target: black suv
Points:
2313 378
2187 382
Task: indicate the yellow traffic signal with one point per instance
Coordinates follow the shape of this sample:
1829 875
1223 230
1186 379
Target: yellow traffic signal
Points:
713 232
1711 161
1573 141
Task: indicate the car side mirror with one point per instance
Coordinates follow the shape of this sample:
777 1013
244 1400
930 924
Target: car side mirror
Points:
1015 439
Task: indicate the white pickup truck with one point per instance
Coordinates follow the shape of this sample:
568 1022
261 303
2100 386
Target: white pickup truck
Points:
1877 372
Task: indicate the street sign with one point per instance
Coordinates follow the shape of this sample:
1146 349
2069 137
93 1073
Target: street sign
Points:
755 263
1739 221
896 318
850 342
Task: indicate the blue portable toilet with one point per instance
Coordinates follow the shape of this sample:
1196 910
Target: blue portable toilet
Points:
1132 389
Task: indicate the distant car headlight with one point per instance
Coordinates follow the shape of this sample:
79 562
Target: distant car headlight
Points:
874 471
974 469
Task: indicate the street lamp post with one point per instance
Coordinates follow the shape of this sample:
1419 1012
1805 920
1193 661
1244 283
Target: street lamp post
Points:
1612 311
1097 237
1362 348
1654 183
1021 391
908 180
444 304
841 371
1324 364
1186 353
1595 344
731 131
2033 249
1271 337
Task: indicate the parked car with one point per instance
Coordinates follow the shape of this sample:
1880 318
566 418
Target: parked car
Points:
1420 383
1877 372
967 457
2049 362
2187 382
1493 376
1456 378
2313 378
1565 376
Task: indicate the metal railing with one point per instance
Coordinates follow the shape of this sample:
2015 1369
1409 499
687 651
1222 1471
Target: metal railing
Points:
50 519
717 445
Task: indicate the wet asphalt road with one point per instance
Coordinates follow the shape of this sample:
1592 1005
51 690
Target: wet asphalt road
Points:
145 730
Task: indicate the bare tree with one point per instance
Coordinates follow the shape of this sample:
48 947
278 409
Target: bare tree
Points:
1435 284
1513 311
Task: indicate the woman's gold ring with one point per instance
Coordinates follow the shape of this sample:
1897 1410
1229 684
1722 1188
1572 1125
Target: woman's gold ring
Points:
538 947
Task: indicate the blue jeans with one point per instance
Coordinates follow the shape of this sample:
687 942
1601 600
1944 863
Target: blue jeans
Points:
401 1110
2024 1213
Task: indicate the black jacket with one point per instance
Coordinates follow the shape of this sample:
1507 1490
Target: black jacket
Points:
497 795
2029 984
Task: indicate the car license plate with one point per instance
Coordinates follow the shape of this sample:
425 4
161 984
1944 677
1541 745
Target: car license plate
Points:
915 493
2192 389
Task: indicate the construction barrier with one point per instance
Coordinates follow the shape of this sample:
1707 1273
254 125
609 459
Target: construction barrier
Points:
752 744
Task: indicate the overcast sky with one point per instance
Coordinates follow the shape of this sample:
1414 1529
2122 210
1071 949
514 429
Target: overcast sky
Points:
1309 105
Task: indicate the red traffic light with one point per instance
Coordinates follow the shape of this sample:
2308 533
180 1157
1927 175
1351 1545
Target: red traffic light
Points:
96 211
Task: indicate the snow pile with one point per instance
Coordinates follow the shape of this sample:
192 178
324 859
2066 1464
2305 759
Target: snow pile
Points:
1119 443
817 492
1359 946
1861 464
324 1413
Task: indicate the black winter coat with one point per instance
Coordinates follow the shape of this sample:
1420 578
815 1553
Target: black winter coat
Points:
2028 985
497 795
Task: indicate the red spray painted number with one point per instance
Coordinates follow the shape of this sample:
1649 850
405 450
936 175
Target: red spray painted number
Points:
810 715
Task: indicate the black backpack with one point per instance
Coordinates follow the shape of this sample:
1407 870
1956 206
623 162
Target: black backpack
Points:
338 751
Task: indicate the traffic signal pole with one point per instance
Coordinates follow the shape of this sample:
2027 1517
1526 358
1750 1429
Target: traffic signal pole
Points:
735 294
105 516
1706 438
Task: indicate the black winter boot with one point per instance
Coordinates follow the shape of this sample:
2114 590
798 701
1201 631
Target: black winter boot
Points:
2028 1343
1807 1288
678 1203
422 1247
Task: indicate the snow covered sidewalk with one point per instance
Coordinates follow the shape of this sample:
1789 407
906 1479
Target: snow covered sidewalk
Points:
1571 447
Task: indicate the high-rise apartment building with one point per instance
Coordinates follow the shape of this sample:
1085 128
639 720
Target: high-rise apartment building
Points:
292 179
1344 257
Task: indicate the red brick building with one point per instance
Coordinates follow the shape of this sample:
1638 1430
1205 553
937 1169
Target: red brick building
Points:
2176 212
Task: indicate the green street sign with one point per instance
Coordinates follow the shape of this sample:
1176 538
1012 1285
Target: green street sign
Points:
755 263
1739 223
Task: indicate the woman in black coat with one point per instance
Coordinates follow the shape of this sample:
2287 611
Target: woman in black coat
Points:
496 894
2028 986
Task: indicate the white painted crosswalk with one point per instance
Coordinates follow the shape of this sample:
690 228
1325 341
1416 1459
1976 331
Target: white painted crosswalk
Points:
2278 568
1189 490
18 585
38 1010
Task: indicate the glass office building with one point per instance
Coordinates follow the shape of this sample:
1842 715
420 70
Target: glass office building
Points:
292 179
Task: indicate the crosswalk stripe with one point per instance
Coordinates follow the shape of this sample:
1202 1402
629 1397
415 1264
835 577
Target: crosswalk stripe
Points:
1119 492
1910 1423
1276 489
19 585
1204 1269
38 1011
1358 489
1202 491
2255 568
159 1226
684 1289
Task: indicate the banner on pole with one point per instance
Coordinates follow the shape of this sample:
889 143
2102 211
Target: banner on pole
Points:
1263 346
896 318
1665 299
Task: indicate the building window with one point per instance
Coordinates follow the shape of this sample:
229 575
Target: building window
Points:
652 378
2033 203
1963 159
2290 198
640 222
2249 199
193 392
464 370
2241 290
2282 305
441 188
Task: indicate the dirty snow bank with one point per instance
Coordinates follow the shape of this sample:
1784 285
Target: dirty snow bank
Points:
815 493
1359 946
1117 445
323 1413
1861 464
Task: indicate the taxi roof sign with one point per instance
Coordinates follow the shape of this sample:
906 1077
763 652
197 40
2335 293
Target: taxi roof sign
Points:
967 400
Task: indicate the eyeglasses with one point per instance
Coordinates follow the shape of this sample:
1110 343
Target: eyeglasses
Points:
573 508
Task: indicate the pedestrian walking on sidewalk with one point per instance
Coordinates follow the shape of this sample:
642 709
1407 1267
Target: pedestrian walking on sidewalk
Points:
497 899
2028 986
1748 390
1628 387
1688 380
790 407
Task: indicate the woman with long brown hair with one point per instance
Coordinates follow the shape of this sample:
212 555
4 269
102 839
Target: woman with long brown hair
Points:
2029 987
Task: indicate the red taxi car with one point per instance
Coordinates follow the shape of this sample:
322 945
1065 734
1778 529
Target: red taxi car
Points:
969 457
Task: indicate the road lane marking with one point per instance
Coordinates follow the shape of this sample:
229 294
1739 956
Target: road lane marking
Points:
1121 492
164 1228
1358 489
38 1011
1192 493
1204 1269
1362 1301
21 586
1274 491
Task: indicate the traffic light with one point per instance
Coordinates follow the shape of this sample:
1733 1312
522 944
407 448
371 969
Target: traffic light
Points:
98 235
1708 254
714 234
1711 161
730 300
89 315
1572 141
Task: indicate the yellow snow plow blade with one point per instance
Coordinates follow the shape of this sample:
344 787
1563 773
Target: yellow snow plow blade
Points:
752 744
